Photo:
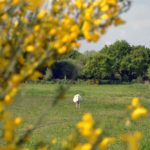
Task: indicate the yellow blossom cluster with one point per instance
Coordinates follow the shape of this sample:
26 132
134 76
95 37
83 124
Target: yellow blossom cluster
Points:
137 109
32 36
93 137
86 128
88 138
132 140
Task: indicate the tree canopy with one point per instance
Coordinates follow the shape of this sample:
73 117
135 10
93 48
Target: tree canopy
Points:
118 62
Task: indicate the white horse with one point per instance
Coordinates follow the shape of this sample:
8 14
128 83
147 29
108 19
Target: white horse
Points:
77 99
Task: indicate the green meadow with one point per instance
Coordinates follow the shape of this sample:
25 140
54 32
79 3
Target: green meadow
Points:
107 103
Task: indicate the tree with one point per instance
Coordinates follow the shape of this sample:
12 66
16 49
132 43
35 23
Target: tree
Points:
74 54
128 61
117 52
148 72
64 69
137 61
97 66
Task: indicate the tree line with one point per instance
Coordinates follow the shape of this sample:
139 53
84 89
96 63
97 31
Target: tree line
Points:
118 62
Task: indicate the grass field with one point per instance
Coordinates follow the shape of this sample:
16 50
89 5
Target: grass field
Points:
107 103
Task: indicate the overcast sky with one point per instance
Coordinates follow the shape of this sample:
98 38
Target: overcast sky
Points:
136 30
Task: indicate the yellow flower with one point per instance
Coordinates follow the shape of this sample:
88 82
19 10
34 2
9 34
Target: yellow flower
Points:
65 38
105 142
104 17
75 45
29 39
36 28
79 3
54 141
30 48
8 135
86 26
75 29
73 36
16 23
34 4
135 102
52 32
85 126
97 22
62 50
89 13
95 36
18 121
87 117
15 2
2 3
16 78
36 75
4 16
94 135
42 14
8 99
86 146
88 36
105 8
138 112
132 140
21 59
119 21
112 2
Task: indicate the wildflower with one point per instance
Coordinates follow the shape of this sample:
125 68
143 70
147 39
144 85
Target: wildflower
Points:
52 32
30 48
95 133
138 112
112 2
79 3
4 16
62 50
87 117
86 146
86 27
36 28
8 135
16 79
119 21
132 140
36 75
135 102
97 22
75 45
85 126
42 14
105 142
15 2
8 99
104 17
105 8
18 121
54 141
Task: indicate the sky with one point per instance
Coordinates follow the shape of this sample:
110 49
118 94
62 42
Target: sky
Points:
136 31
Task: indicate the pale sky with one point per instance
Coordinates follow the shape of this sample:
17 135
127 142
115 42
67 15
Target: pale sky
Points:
136 31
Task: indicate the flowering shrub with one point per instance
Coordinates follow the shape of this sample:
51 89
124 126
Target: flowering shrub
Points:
32 36
96 138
